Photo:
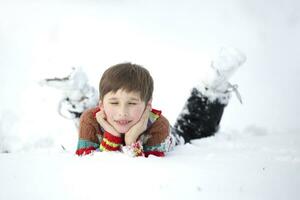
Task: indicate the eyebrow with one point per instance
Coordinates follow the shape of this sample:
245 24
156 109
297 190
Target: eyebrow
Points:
134 99
112 98
130 99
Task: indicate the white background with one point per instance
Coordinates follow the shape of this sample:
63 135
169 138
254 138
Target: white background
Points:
173 39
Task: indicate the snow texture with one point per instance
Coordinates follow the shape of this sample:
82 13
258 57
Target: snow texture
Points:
253 164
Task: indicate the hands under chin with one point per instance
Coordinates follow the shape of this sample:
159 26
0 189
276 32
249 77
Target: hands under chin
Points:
101 119
133 133
136 130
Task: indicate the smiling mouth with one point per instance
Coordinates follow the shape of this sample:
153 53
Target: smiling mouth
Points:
122 122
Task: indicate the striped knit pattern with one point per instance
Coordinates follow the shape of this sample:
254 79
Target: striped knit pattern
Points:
159 149
82 143
110 142
94 138
153 116
85 147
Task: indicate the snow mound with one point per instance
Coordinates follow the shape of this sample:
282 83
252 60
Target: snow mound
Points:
254 164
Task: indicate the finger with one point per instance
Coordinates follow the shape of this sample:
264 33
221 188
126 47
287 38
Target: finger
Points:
100 114
148 107
104 124
99 118
145 115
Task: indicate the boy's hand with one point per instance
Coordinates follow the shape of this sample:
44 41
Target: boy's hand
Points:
136 130
101 119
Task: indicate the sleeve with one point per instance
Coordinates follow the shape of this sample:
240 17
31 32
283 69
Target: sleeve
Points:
154 141
89 133
110 142
159 141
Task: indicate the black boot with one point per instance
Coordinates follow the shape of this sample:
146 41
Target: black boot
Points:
203 111
200 117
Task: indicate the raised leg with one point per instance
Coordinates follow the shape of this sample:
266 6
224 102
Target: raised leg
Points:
203 111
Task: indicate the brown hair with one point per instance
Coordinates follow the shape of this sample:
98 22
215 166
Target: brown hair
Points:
129 77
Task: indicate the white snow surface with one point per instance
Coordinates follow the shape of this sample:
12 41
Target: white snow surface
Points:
256 153
254 164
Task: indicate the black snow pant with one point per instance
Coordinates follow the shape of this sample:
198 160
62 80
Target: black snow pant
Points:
200 117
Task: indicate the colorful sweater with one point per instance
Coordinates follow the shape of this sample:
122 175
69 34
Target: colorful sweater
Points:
156 140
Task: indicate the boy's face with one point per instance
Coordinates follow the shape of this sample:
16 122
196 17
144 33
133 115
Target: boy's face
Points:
123 109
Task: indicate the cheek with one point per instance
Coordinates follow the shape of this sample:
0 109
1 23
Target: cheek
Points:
109 112
137 113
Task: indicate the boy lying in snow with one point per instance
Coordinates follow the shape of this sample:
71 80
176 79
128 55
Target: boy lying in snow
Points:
125 121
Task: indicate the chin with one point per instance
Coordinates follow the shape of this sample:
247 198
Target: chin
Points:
123 130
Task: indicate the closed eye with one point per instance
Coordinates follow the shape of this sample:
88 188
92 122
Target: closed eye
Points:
114 103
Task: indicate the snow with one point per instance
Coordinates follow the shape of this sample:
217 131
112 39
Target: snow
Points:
255 155
235 165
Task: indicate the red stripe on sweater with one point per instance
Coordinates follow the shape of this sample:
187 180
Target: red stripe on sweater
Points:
85 151
155 153
95 112
158 112
112 138
108 147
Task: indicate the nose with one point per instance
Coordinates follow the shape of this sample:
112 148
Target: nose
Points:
123 112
